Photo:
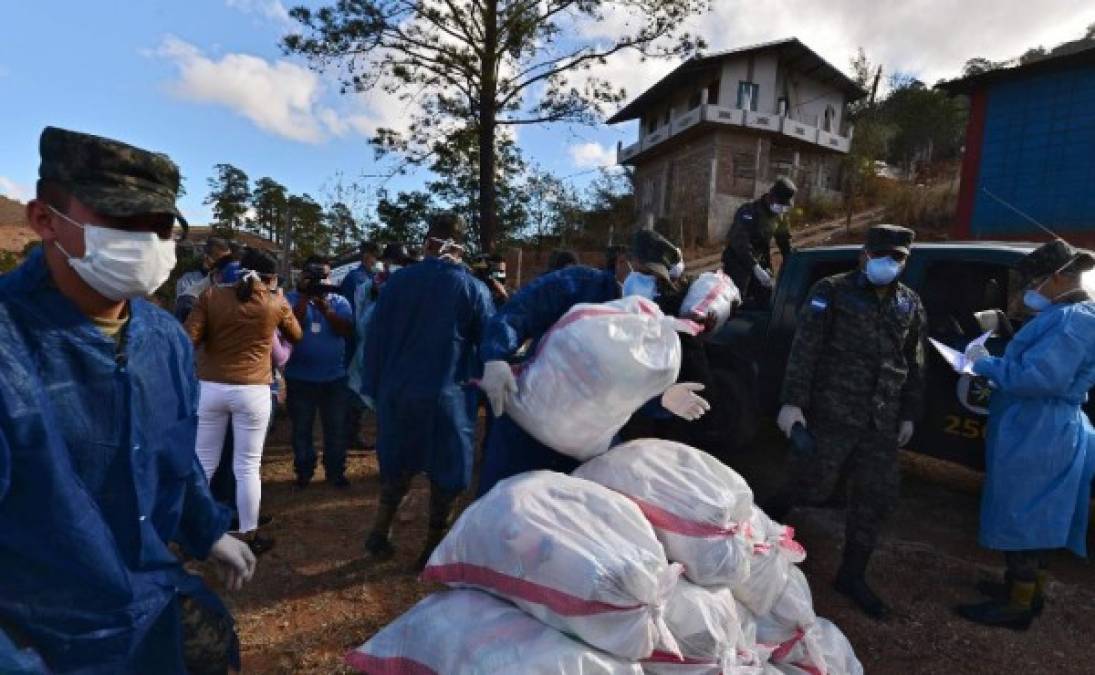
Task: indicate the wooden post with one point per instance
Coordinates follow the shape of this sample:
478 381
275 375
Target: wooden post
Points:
520 256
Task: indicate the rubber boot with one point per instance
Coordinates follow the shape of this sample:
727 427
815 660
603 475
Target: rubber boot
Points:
1001 591
441 503
1015 613
851 581
377 544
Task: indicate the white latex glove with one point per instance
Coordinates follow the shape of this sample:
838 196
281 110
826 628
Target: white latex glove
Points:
236 561
789 416
976 352
681 400
905 433
497 381
762 276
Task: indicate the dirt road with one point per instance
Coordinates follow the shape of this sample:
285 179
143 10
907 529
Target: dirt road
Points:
314 597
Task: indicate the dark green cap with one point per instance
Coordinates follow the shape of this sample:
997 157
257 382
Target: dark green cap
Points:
1054 256
108 176
883 238
656 253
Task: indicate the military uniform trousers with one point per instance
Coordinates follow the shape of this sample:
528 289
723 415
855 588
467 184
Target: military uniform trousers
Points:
874 477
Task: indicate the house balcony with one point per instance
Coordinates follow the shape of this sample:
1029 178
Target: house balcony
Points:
735 117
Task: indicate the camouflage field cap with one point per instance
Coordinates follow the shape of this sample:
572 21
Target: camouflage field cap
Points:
1051 257
110 177
656 253
783 190
884 238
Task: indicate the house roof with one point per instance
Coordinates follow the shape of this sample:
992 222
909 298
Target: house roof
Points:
792 53
967 85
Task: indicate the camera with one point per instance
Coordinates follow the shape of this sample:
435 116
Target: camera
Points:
313 280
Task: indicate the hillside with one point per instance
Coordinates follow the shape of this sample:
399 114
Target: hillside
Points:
14 233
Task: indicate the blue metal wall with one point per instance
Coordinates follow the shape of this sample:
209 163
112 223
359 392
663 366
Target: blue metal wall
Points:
1038 154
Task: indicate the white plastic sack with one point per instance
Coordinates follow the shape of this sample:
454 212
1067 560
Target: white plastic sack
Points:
696 504
576 555
597 365
472 633
711 292
792 612
704 622
823 650
775 552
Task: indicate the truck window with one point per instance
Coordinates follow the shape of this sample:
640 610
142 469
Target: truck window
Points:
955 290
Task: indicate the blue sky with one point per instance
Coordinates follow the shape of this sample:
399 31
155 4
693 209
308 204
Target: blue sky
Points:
205 81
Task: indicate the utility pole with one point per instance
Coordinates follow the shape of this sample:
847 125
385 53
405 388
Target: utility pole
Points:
874 87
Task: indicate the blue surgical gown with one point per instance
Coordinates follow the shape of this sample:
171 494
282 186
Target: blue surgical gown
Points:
529 314
97 475
420 357
1040 451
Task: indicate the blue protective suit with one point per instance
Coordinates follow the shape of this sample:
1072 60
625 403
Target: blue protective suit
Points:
1040 452
97 475
420 355
534 309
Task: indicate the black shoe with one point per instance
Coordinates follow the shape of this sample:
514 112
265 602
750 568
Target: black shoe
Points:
998 614
851 580
257 543
378 547
433 539
339 482
302 481
860 593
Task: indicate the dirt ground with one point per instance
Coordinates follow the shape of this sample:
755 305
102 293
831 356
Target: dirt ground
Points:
315 597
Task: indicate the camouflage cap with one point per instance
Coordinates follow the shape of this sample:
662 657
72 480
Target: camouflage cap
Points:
656 253
783 190
110 177
1051 257
883 238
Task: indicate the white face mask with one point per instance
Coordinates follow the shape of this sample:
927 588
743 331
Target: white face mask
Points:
780 209
120 264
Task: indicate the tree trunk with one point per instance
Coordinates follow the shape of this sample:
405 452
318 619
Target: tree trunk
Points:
488 196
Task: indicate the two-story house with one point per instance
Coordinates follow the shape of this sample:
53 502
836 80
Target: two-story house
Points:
718 129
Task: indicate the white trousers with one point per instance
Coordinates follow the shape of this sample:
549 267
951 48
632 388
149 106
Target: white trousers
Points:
247 407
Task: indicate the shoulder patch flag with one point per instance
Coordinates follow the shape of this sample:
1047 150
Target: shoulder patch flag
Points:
819 304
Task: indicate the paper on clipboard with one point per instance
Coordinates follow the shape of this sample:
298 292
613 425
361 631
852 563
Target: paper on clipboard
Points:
956 359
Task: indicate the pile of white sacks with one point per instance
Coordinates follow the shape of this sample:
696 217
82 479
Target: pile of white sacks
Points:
650 558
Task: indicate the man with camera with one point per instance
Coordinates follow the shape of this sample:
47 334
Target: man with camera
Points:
316 373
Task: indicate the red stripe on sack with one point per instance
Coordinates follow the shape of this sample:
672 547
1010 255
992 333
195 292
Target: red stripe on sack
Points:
787 541
666 657
395 665
557 601
702 305
647 307
785 647
665 520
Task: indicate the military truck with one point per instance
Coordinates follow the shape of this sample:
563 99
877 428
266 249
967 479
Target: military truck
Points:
968 288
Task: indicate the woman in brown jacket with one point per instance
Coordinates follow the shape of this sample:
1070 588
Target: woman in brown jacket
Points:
233 326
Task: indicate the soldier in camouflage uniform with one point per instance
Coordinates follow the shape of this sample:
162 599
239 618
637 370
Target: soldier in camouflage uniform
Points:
856 373
747 258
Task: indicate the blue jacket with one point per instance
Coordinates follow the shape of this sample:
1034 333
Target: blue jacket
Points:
97 475
536 307
354 278
1040 452
419 358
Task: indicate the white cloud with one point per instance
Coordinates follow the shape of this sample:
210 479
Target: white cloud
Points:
13 190
280 97
591 155
930 39
269 9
